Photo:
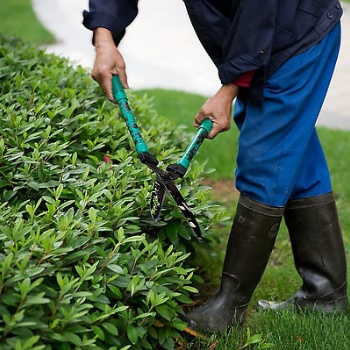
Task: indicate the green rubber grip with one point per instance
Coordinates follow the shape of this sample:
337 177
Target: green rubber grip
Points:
202 133
122 101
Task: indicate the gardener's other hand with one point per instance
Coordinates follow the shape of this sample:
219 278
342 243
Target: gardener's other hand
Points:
108 61
218 109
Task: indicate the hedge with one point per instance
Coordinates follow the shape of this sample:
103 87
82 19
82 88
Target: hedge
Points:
82 266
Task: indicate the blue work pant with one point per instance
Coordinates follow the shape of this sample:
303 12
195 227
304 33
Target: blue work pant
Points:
279 154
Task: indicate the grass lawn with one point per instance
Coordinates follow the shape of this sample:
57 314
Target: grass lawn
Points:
17 18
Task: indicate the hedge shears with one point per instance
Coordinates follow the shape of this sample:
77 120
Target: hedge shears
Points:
164 178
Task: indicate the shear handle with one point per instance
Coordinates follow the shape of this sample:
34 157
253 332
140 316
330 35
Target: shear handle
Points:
179 169
122 101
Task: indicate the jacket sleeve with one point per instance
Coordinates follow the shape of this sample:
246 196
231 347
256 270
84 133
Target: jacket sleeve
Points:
114 15
238 36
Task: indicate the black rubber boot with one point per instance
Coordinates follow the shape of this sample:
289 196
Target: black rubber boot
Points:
252 238
319 256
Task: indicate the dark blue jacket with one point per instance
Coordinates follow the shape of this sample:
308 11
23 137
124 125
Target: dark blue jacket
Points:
239 35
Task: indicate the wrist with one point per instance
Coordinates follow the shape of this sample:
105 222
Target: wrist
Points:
229 90
102 37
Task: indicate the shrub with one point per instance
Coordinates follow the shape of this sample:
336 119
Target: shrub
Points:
82 266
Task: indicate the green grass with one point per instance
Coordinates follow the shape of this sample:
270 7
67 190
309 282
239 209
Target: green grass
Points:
286 331
17 18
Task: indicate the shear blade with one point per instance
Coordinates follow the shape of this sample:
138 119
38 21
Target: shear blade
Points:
165 183
191 220
157 200
186 211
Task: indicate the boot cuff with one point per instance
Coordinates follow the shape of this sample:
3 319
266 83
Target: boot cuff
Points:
261 208
311 201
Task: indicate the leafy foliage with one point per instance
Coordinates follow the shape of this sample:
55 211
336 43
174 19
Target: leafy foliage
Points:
82 266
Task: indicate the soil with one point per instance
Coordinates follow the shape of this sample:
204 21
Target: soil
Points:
224 190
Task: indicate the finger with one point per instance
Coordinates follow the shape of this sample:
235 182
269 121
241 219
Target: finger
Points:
196 123
198 119
218 128
94 75
214 131
108 91
123 78
105 83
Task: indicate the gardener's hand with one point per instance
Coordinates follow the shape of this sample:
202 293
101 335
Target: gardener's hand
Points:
108 61
218 109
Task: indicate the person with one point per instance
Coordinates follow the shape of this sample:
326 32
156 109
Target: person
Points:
275 60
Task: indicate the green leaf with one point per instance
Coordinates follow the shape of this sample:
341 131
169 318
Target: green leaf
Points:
132 334
99 332
133 239
165 312
116 291
72 338
180 325
49 200
30 342
144 315
36 300
110 328
115 268
190 289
